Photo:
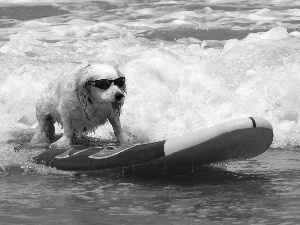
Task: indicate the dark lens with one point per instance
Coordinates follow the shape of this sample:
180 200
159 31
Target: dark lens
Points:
102 84
120 81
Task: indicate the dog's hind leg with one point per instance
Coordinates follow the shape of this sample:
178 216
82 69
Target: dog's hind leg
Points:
66 139
42 130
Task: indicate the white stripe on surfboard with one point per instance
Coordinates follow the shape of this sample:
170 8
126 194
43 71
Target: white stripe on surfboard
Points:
188 140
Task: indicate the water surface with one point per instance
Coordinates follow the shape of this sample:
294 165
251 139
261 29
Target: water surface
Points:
189 65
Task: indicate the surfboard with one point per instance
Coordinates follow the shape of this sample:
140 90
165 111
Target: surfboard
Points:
230 141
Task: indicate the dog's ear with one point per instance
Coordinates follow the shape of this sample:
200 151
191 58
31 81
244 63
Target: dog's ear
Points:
80 85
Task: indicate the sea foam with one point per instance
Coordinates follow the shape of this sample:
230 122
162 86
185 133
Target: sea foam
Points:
172 88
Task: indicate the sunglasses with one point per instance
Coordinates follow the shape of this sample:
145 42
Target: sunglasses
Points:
105 84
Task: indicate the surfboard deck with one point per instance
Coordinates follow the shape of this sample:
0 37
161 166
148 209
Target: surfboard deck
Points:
230 141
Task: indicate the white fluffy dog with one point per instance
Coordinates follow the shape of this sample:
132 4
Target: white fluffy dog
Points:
81 102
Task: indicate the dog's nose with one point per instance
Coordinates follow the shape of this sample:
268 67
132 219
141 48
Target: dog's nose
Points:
119 96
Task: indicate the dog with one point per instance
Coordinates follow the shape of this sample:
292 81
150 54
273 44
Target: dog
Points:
81 102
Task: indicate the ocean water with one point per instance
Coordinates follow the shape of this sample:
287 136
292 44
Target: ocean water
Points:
188 65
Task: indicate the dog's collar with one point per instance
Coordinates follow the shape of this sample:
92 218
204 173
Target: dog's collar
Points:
83 108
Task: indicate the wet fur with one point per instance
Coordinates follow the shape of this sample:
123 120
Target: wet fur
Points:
79 107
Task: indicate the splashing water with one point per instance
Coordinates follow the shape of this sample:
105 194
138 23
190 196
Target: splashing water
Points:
189 65
174 87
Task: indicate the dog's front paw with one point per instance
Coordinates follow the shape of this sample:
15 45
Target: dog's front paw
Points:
63 142
123 138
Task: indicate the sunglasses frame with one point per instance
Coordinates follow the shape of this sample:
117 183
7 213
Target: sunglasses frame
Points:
105 83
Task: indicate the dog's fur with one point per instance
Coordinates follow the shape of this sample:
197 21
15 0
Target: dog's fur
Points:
79 107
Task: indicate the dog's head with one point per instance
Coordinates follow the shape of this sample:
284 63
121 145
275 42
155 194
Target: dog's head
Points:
101 83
